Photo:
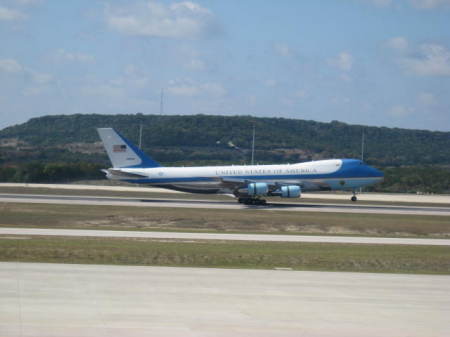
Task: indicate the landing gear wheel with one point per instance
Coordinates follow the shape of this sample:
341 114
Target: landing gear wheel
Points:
251 201
247 201
354 198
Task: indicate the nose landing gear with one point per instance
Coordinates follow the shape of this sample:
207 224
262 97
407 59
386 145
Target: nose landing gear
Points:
354 198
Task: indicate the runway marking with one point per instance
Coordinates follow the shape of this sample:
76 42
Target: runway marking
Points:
212 204
224 237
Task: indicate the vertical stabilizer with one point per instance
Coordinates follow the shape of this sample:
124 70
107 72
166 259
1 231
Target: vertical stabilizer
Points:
122 153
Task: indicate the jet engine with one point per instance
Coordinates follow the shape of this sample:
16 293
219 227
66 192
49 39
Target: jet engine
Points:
257 189
290 191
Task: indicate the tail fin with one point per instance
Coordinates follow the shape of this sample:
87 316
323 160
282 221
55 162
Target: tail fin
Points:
122 152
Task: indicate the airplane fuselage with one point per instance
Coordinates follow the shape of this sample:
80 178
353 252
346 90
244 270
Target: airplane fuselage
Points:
333 174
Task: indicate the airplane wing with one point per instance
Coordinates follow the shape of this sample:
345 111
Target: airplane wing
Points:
237 183
234 184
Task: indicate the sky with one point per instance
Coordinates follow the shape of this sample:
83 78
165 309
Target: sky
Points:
370 62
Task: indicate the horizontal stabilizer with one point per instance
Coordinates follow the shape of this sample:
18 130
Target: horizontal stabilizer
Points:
118 174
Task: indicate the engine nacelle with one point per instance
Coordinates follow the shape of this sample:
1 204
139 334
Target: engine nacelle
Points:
291 191
257 189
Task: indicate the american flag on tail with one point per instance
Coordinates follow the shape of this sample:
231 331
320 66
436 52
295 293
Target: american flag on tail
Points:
119 148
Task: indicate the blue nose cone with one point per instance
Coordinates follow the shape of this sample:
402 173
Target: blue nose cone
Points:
357 168
375 173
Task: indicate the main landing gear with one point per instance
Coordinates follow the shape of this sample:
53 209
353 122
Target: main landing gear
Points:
354 198
252 201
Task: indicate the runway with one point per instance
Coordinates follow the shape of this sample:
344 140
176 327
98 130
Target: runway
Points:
60 300
366 196
224 237
232 204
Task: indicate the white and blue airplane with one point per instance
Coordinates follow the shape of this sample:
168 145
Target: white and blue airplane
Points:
249 183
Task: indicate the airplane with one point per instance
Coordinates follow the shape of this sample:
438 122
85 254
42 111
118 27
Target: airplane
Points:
248 183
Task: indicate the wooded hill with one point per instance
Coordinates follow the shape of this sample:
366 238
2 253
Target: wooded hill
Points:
204 139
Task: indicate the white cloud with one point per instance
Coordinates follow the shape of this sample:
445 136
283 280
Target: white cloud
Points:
187 88
35 91
433 60
300 93
130 81
104 90
429 4
37 80
179 20
191 58
427 99
283 49
343 61
419 4
340 100
65 55
252 100
134 77
35 83
7 14
270 83
130 70
195 64
400 111
398 43
184 90
28 2
10 66
381 3
40 78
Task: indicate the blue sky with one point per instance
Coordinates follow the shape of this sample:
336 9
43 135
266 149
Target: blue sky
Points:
373 62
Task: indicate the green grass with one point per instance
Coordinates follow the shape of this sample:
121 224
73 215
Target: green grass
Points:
233 254
124 194
216 220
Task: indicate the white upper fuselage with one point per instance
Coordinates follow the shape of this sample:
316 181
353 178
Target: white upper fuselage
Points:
317 167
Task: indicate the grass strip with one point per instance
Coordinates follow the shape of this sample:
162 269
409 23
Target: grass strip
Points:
215 220
229 254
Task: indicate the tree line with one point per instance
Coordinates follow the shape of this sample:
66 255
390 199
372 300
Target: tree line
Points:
36 172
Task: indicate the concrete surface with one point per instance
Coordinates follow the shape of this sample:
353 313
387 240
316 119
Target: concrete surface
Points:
218 204
385 197
224 237
58 300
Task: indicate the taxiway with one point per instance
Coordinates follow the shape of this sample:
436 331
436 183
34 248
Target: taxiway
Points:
224 237
218 204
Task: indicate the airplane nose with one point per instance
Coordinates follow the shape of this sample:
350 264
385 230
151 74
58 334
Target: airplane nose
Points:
376 173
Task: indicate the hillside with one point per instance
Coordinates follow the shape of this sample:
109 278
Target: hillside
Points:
205 139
